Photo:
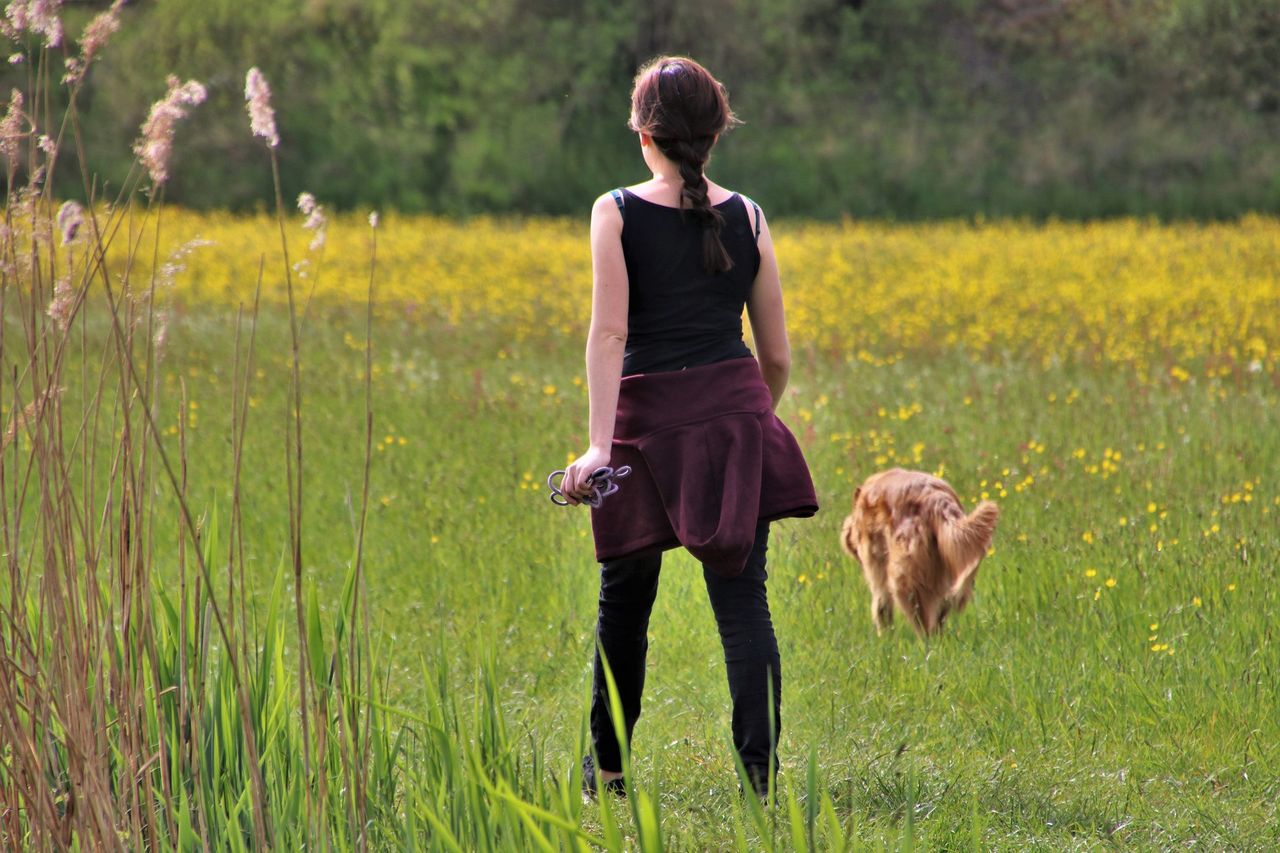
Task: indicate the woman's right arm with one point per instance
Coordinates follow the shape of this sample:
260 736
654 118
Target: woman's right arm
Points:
606 343
768 323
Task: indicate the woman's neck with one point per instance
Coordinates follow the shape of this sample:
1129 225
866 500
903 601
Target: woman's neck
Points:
667 180
664 171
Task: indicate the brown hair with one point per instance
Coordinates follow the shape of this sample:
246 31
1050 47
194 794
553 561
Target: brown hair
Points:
678 103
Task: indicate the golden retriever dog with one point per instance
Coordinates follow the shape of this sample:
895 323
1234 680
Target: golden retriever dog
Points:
918 548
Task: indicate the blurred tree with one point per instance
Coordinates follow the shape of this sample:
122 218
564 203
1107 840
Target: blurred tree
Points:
898 108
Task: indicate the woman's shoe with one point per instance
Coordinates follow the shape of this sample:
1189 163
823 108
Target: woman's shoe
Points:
758 776
590 786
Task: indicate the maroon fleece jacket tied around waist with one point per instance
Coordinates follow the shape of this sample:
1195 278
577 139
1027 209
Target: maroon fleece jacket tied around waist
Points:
709 460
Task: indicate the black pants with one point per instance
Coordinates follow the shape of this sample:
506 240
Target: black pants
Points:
627 590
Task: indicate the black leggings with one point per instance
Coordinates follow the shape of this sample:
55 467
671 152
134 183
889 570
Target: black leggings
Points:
627 590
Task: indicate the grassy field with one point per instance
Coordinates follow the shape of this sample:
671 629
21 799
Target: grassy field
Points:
1113 386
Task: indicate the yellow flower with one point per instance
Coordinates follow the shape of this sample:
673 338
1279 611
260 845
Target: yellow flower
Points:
1196 600
549 390
1089 573
1231 587
1087 536
1111 582
1177 286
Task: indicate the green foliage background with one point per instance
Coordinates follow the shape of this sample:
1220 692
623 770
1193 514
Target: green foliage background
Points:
886 108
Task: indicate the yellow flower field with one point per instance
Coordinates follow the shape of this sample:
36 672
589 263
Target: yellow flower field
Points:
1112 386
1169 299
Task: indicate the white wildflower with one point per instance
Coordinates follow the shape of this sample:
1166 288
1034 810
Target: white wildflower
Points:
262 118
60 306
37 16
317 222
70 218
162 330
156 144
13 127
95 37
176 262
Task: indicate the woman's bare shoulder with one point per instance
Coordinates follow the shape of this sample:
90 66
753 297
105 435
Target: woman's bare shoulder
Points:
718 193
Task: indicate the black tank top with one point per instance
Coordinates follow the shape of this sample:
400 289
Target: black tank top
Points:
678 315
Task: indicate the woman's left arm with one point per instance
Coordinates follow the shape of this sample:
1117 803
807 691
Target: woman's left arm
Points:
606 342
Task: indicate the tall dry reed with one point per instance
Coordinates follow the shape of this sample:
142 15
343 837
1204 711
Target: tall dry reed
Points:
137 712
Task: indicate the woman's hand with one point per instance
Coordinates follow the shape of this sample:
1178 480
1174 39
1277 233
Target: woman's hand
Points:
574 486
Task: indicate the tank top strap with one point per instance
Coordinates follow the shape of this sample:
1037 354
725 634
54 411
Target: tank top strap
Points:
618 200
755 207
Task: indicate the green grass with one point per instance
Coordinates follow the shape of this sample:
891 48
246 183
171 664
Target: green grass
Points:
1040 719
230 622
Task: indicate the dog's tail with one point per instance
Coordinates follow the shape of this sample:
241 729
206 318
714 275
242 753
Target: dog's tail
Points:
964 540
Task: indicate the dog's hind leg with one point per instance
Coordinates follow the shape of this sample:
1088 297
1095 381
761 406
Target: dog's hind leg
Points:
908 601
875 569
881 611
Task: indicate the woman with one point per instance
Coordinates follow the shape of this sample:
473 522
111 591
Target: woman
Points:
675 394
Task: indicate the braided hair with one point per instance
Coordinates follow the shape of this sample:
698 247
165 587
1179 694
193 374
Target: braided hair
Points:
684 109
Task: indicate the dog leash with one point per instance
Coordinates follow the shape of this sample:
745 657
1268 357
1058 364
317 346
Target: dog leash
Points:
602 482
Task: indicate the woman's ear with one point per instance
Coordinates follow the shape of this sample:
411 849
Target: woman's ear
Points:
645 139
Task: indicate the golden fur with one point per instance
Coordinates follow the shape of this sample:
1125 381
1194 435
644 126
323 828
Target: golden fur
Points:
918 548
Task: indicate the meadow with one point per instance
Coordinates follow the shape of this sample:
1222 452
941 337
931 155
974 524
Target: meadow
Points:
1112 385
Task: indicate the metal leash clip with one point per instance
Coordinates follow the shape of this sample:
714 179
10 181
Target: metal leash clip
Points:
602 482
